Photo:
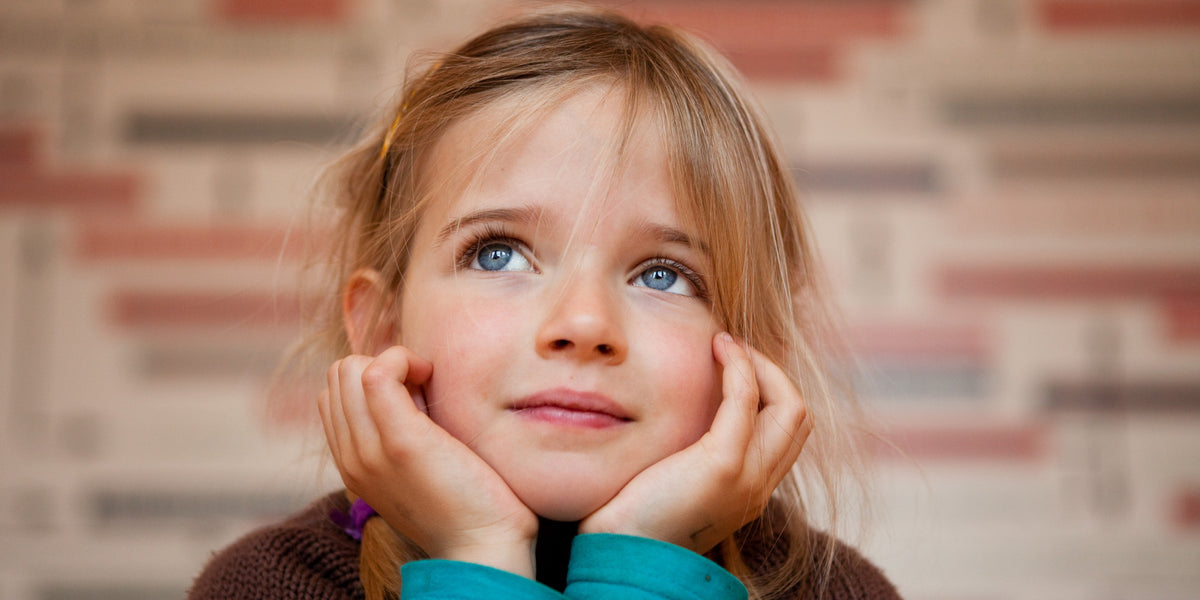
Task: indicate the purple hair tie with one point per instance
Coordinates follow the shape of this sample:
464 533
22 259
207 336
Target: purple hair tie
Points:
353 523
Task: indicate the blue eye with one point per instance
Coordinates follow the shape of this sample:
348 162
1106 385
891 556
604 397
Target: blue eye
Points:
493 257
659 278
668 276
499 256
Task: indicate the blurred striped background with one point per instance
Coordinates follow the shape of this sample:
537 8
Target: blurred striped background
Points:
1007 193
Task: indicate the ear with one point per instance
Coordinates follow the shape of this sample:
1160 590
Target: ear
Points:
367 313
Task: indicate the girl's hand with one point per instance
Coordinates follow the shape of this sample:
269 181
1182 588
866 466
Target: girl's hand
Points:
425 483
700 495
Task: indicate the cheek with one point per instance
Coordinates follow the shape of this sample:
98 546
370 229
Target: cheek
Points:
468 346
688 378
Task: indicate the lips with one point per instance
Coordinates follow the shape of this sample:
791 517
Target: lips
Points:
571 408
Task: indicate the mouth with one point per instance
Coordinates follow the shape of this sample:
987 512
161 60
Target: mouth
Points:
571 408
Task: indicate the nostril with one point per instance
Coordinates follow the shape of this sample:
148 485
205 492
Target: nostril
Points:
560 344
604 349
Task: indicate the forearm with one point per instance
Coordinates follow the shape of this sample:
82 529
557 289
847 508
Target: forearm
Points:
436 579
609 566
603 567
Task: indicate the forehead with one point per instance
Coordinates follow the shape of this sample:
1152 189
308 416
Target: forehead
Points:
535 148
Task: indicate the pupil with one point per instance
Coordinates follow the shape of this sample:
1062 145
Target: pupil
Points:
659 278
494 257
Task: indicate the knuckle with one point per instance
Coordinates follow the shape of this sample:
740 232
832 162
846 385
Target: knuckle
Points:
393 451
347 367
795 419
372 462
331 374
375 377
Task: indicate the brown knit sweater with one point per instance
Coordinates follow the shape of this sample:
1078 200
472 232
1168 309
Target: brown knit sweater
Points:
309 557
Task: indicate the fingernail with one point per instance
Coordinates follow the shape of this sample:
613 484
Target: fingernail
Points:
725 337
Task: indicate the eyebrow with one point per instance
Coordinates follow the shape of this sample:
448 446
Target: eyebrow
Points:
531 215
671 235
523 215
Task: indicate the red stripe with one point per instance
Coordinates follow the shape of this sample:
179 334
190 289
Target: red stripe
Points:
1186 509
283 11
1182 314
1163 210
289 406
139 309
1022 442
18 147
174 242
919 340
1081 15
1066 282
26 189
819 64
776 24
779 40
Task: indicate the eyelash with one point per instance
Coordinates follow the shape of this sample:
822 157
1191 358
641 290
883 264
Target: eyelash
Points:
492 233
692 276
488 235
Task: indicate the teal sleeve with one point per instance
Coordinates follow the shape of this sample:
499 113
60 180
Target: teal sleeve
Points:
608 566
435 579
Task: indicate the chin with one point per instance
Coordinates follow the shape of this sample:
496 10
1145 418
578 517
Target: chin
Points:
561 498
551 504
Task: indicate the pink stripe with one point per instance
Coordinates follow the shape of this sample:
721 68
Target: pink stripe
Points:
26 189
139 309
18 147
1186 509
283 11
1182 314
794 41
761 24
172 242
1024 442
818 64
919 340
1063 282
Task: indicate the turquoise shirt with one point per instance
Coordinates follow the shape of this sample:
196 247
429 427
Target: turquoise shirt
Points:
603 566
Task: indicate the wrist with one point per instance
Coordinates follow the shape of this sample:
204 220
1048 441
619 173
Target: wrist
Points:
514 556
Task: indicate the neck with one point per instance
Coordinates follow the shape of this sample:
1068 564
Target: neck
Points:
553 551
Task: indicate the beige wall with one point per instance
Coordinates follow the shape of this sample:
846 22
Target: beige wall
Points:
1007 193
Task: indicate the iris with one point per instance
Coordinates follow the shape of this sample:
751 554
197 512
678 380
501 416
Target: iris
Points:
494 257
659 278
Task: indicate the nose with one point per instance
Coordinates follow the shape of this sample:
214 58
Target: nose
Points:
583 322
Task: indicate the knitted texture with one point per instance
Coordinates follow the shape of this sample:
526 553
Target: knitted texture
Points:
308 556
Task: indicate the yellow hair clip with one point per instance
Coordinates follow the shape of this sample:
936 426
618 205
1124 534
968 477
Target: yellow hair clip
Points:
387 139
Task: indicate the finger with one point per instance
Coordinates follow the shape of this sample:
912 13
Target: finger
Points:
361 432
734 422
419 373
327 423
388 383
337 431
783 425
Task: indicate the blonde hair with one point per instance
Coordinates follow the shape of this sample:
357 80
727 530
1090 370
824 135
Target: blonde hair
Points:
731 185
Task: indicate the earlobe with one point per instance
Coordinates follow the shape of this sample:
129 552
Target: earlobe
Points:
367 313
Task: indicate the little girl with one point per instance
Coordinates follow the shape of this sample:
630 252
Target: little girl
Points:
582 342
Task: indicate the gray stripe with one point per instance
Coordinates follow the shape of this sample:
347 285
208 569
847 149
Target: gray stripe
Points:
1100 109
127 508
1138 396
1133 164
180 128
109 591
899 177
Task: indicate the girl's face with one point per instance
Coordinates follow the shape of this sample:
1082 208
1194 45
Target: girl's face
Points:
563 309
